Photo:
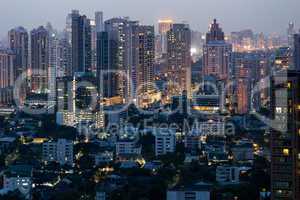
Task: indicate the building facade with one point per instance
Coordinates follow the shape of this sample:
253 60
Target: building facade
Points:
216 53
285 137
18 43
60 151
40 65
81 43
142 71
165 142
179 59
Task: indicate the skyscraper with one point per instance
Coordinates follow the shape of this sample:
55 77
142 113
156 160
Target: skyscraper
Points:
99 21
18 43
243 88
39 59
68 28
93 45
290 34
179 59
285 136
216 53
106 63
7 72
53 59
64 56
81 43
119 32
163 27
143 59
297 51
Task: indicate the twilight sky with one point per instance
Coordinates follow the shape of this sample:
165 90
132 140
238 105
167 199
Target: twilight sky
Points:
260 15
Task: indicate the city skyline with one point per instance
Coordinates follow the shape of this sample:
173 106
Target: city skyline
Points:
150 100
199 15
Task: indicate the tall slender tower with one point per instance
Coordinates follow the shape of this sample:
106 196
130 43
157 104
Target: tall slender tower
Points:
290 34
106 64
53 59
297 51
143 59
39 59
163 27
64 54
179 59
285 136
6 69
81 43
216 53
119 32
7 74
18 43
99 21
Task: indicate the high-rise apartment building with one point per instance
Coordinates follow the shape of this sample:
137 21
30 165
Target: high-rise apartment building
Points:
243 89
7 72
39 59
290 34
297 51
106 58
179 59
18 43
53 59
117 48
64 56
81 43
163 27
216 53
285 136
143 59
99 21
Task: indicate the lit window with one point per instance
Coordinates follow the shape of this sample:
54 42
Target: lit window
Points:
286 152
278 109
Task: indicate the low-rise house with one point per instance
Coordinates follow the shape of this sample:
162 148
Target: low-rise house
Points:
243 152
7 144
129 165
104 158
227 174
18 178
199 191
153 165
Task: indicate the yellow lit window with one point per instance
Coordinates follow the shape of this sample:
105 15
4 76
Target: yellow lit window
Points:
289 85
286 152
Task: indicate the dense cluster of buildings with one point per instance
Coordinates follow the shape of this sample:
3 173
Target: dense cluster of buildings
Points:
101 81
